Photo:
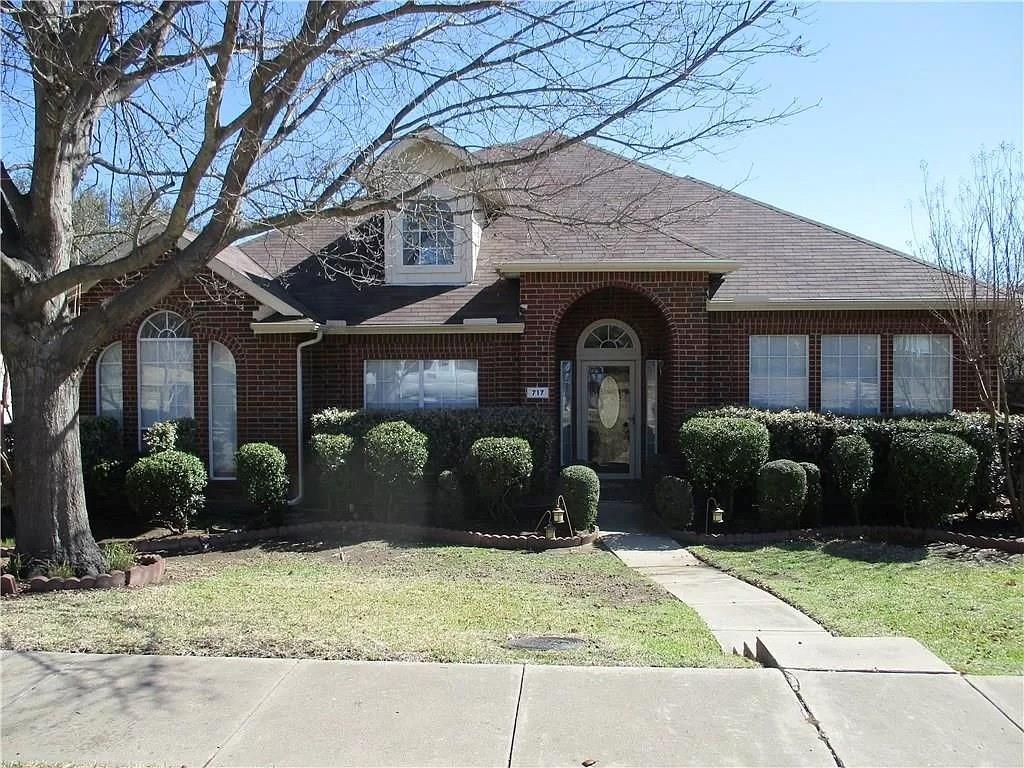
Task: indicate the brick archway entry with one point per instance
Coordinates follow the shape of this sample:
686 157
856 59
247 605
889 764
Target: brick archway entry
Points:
597 391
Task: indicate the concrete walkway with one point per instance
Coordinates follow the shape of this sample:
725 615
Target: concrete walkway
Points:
736 612
131 710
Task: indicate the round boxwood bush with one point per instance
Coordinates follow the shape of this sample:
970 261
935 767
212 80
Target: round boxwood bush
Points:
932 473
781 493
167 487
501 467
263 472
673 499
723 453
332 454
581 489
395 453
812 504
853 463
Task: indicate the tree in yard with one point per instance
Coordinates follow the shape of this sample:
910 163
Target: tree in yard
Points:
237 118
977 237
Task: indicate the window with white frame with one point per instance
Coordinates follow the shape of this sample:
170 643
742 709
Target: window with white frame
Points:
109 393
165 370
223 412
405 384
778 371
922 373
849 374
428 234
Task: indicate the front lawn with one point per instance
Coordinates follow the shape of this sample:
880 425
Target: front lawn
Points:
378 602
968 610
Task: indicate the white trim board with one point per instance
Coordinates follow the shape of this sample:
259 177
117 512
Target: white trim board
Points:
716 266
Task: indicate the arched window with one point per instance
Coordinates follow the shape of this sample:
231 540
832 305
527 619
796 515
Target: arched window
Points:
428 234
609 336
109 395
165 369
223 412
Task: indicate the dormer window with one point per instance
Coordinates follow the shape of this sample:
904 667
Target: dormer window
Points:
428 234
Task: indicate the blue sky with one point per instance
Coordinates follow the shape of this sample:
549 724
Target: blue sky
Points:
899 83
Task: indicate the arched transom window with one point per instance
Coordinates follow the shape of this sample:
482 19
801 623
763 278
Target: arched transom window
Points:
165 369
428 234
609 336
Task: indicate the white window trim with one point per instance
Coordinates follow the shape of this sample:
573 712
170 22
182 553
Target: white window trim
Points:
948 336
138 373
209 408
420 406
454 267
878 368
807 366
99 380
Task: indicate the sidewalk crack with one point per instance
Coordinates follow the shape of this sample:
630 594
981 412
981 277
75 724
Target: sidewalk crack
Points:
248 717
515 717
794 685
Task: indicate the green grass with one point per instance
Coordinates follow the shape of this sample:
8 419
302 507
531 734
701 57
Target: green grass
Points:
382 602
969 613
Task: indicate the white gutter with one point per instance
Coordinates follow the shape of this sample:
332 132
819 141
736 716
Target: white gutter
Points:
298 412
424 328
796 305
301 325
717 266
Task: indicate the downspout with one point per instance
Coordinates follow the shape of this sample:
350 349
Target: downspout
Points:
299 410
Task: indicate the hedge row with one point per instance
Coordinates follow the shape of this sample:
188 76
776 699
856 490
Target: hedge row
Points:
451 433
809 436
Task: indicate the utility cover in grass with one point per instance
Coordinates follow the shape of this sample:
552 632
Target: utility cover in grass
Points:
544 642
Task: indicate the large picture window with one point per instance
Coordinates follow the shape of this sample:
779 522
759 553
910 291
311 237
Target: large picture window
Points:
922 373
849 374
405 384
109 393
165 370
428 234
223 412
778 371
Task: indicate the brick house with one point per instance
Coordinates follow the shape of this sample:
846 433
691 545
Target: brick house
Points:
615 325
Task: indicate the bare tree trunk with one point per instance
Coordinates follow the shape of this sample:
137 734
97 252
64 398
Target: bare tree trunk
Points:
51 522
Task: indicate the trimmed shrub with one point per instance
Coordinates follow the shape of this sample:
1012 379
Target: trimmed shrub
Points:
396 455
103 464
451 506
171 435
332 454
813 503
723 453
262 470
450 433
501 467
931 474
852 467
673 499
581 489
781 493
167 487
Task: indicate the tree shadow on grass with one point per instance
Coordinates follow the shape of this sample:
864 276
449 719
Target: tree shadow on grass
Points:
861 550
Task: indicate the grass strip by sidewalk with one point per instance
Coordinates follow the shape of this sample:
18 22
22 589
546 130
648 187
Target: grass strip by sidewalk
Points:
969 612
381 602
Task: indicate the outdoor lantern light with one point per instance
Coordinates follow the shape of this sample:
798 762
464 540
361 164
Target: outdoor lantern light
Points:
549 531
715 515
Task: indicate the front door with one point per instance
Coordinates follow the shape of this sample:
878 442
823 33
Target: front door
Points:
607 419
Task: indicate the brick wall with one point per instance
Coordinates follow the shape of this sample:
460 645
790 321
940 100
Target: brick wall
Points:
729 349
264 366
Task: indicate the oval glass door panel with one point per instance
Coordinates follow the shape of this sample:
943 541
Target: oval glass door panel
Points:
608 402
608 422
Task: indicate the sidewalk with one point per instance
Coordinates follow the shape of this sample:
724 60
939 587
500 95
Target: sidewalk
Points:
87 709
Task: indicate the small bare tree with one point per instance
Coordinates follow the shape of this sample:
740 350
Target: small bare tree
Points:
977 237
242 117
